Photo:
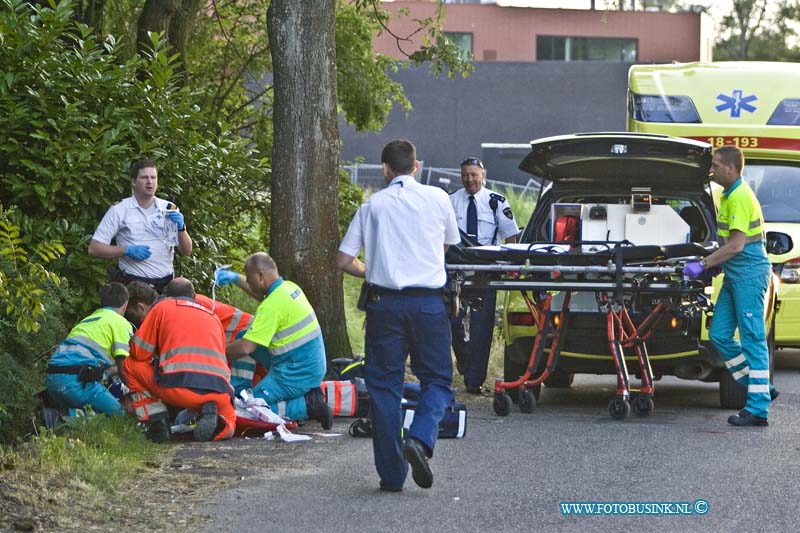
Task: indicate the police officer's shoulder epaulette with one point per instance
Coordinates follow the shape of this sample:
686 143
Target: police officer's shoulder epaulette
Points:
499 197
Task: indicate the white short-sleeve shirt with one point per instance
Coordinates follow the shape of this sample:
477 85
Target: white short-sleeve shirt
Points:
129 224
403 230
501 218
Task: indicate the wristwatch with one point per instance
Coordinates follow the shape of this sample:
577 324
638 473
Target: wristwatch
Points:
704 263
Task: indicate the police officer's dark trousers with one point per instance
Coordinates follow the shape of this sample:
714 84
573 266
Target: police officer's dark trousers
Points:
399 325
479 346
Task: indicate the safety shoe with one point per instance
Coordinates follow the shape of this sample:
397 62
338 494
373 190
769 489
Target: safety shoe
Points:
746 418
414 452
389 488
158 429
206 426
317 409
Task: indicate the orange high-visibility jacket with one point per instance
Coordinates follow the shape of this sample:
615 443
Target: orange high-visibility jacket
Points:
188 341
233 320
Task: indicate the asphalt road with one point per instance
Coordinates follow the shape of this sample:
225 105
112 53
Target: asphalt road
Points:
511 473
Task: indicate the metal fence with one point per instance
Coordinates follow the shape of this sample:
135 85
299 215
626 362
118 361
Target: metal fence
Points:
370 177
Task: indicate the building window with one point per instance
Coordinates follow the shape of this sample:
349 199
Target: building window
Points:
558 48
462 40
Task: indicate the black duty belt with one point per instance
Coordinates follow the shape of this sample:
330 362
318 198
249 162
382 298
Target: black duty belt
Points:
157 283
86 374
64 369
408 291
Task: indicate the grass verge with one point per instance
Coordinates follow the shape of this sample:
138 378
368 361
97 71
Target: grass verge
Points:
75 475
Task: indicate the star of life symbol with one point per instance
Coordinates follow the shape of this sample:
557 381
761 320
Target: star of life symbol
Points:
736 103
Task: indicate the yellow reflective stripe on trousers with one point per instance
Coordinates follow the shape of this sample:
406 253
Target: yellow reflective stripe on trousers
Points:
735 361
243 368
146 405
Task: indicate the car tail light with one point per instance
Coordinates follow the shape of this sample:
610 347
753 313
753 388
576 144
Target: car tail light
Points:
790 273
520 319
662 108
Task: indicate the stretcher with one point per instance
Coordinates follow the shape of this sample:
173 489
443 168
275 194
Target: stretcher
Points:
620 275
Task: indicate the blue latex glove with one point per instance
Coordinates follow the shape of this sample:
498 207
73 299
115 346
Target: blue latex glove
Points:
226 277
693 270
176 217
138 251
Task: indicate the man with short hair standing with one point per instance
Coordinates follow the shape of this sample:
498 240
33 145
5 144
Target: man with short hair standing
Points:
404 231
140 226
485 217
740 305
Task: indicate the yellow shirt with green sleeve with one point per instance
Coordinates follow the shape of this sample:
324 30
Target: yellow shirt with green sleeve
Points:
96 340
286 325
739 210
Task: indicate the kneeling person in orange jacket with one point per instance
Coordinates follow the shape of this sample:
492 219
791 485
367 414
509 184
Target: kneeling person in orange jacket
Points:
185 343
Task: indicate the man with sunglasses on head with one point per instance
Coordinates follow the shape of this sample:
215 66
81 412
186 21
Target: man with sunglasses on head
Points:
484 218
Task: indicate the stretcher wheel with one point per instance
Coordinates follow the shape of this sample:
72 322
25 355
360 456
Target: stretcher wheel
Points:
643 405
502 404
527 401
619 408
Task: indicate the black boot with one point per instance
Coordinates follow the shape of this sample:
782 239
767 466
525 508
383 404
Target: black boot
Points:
158 429
206 426
317 408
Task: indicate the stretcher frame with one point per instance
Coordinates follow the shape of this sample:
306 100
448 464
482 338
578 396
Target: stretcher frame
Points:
615 283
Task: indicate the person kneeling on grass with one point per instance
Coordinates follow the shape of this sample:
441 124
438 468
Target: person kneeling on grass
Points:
89 351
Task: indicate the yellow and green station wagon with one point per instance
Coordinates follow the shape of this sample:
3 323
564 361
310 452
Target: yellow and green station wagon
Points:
752 105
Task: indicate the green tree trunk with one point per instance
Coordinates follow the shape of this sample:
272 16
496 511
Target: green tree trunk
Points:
304 232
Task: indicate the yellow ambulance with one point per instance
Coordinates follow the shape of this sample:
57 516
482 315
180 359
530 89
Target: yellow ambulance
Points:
752 105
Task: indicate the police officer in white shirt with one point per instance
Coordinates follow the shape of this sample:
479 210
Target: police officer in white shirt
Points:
485 217
146 229
404 230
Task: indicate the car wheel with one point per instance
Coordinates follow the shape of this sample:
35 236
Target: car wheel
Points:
732 395
559 379
771 350
513 369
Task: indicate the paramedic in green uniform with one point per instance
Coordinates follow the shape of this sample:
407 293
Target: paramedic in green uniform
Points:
743 258
286 325
94 345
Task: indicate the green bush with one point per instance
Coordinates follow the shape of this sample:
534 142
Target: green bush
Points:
75 115
23 359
